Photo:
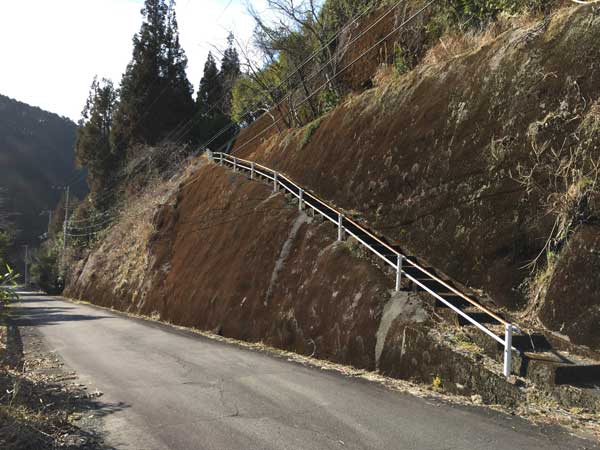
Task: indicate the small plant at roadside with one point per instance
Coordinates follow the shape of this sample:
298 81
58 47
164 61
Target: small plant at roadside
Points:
437 383
8 280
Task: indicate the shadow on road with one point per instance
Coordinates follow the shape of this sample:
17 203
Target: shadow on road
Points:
25 314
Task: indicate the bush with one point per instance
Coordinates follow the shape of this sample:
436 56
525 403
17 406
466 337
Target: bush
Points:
309 131
45 272
403 61
461 14
7 282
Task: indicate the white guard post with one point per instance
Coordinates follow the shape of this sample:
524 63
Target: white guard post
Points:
399 272
508 332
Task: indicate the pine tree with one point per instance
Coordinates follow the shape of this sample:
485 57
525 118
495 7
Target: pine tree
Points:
156 95
93 149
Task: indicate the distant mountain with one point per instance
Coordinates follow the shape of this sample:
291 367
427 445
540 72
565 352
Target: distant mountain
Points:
36 153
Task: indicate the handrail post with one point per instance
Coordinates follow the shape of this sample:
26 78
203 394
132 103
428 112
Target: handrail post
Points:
300 199
221 158
508 332
274 181
210 155
340 227
252 171
234 163
399 272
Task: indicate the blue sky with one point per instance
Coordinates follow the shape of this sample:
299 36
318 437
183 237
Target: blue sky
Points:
51 49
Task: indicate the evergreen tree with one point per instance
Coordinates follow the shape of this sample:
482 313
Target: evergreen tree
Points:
214 100
156 95
230 72
93 149
209 115
211 88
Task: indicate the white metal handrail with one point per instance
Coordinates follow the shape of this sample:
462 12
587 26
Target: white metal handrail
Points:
308 199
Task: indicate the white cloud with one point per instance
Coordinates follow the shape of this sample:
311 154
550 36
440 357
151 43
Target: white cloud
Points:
51 50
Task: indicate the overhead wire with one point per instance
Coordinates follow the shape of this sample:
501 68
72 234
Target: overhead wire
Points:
187 125
387 36
412 17
312 56
315 73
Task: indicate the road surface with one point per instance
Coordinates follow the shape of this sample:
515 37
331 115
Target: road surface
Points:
170 389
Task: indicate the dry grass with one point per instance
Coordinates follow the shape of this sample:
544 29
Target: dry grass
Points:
455 44
40 407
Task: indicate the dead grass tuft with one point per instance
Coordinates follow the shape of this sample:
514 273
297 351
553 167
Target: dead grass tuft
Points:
455 44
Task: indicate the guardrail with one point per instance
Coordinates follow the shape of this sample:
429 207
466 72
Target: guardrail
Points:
403 265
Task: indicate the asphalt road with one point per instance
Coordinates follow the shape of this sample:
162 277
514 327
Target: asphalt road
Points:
168 389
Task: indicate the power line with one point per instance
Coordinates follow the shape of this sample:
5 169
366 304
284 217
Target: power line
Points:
314 74
181 130
316 53
431 2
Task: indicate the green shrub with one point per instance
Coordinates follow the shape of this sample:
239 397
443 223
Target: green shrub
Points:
8 280
403 60
461 14
309 131
45 272
328 99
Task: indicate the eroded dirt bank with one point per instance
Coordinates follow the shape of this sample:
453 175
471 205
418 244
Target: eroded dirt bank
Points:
225 254
436 152
228 256
428 154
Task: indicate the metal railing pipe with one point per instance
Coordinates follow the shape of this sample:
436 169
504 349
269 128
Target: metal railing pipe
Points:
508 332
305 198
399 272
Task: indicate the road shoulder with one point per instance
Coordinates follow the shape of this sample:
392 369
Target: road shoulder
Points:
42 405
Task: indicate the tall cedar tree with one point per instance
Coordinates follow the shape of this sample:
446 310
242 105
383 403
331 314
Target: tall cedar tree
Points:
93 149
209 111
214 126
156 95
230 72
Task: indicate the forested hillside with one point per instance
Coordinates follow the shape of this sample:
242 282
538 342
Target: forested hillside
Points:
36 153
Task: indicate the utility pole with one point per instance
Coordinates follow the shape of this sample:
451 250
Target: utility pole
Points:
67 189
49 212
26 273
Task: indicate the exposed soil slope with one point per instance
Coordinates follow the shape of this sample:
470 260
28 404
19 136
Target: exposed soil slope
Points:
433 153
427 159
226 255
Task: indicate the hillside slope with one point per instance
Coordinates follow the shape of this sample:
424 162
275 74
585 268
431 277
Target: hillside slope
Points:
36 152
428 160
436 152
